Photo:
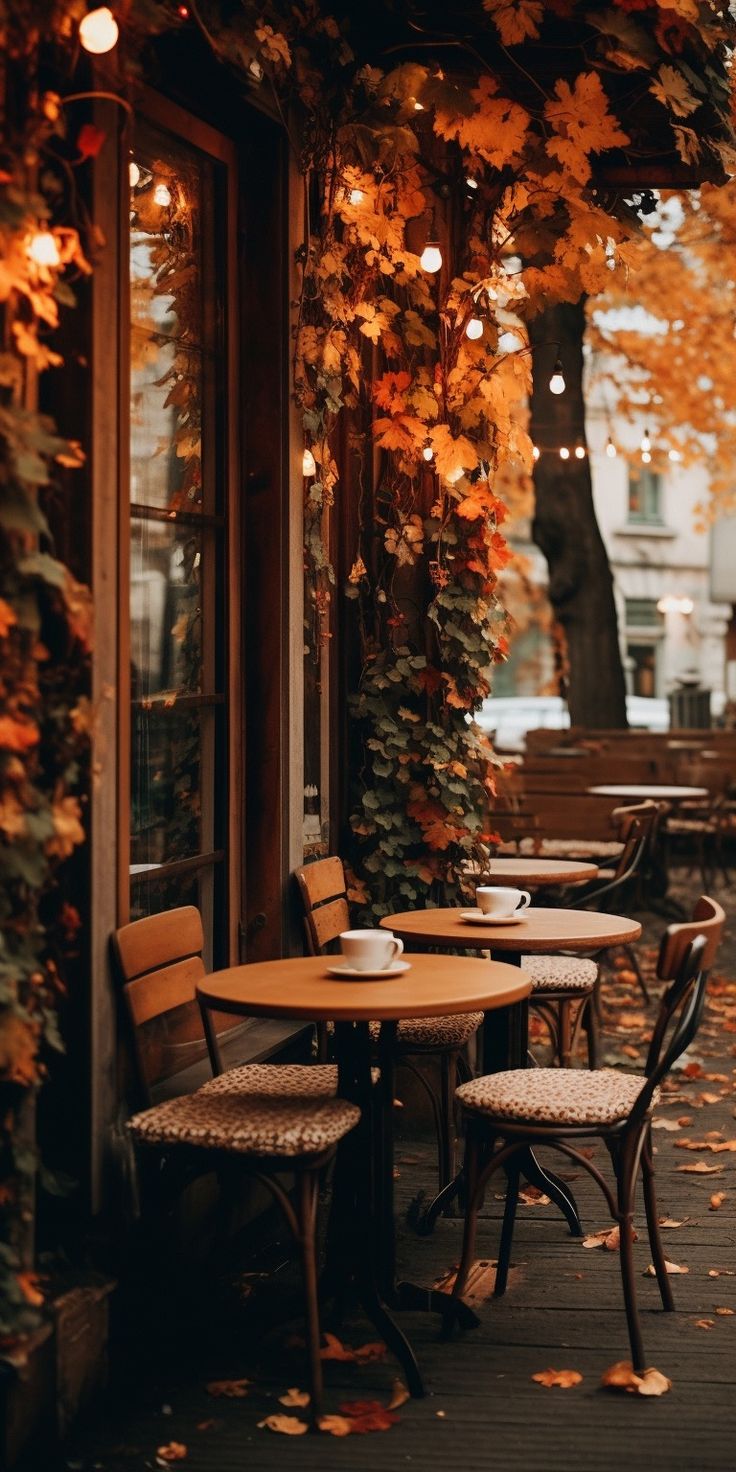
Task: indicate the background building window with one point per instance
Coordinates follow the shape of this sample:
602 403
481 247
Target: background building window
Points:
645 496
642 613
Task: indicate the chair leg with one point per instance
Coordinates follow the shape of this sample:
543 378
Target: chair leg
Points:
470 1227
307 1217
590 1023
564 1043
633 961
655 1240
507 1230
448 1072
625 1184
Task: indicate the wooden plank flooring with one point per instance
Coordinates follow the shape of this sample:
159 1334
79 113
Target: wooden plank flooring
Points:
482 1409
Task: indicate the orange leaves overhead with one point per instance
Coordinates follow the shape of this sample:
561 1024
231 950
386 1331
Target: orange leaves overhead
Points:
516 20
582 123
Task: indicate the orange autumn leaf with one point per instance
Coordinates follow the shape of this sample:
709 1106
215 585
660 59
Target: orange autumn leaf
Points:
453 455
28 1284
368 1415
295 1397
284 1425
622 1376
174 1451
516 20
699 1168
670 1267
390 391
335 1425
18 736
582 124
8 618
562 1379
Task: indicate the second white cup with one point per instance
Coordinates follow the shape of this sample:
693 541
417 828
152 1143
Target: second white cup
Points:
496 899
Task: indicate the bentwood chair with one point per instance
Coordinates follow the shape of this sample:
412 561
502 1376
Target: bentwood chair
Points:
559 1108
326 913
266 1120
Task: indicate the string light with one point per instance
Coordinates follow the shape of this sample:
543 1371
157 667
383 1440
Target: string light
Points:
43 250
672 604
427 452
646 457
536 452
580 452
474 329
557 381
431 257
309 464
356 196
98 31
162 195
674 455
134 173
472 183
646 443
419 107
610 449
564 452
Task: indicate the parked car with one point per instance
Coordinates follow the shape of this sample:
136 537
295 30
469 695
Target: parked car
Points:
508 717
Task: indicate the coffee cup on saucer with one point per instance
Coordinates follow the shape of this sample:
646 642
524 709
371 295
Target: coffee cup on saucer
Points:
370 950
497 900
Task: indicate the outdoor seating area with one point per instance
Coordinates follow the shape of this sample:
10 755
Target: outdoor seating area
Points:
367 735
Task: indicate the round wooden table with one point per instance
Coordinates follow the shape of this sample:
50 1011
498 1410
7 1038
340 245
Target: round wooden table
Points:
657 791
361 1235
529 873
538 931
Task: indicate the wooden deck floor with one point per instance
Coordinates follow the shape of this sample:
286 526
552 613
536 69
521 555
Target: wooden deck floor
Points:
563 1310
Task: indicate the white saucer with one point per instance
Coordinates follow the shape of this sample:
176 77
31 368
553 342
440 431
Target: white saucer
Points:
477 917
351 973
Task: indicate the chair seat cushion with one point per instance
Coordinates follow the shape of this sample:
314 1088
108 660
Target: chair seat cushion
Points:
277 1080
691 825
572 1096
257 1123
560 973
431 1032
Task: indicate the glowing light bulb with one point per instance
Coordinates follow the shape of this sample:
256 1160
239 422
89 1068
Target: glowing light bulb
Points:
472 183
674 455
564 452
427 452
557 383
610 449
646 443
580 452
455 475
43 250
474 329
134 173
182 12
419 107
162 195
309 464
686 605
646 457
98 30
431 258
356 196
536 452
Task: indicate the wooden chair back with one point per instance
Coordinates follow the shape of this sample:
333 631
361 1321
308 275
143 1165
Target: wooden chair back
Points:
324 896
708 920
159 962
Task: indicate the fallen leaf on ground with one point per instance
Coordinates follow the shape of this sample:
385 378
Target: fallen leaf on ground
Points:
716 1200
368 1415
670 1267
609 1237
670 1221
720 1272
622 1376
174 1451
564 1379
286 1425
363 1354
699 1168
532 1196
232 1389
725 1313
684 1121
335 1425
399 1395
705 1323
666 1124
294 1397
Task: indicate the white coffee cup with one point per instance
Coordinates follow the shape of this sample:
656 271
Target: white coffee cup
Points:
496 899
370 950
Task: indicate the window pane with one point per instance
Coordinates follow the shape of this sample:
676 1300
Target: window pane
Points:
642 612
166 448
165 608
151 893
171 815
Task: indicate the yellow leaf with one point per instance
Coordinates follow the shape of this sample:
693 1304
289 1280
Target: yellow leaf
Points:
582 124
452 455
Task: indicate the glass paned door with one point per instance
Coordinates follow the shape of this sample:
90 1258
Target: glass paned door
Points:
178 520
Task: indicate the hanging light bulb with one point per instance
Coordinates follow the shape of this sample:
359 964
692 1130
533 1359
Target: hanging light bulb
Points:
564 452
536 452
356 196
98 30
610 448
557 381
646 457
431 257
472 183
580 452
427 452
162 195
474 329
134 173
674 455
646 443
419 107
309 464
43 250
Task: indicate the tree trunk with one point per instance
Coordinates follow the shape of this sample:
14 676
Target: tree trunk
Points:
565 527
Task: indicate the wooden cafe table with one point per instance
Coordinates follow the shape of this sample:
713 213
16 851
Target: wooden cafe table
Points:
532 873
539 931
361 1236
